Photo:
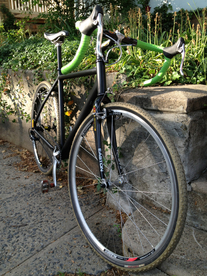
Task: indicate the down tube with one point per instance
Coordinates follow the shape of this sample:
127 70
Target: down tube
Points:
97 131
84 113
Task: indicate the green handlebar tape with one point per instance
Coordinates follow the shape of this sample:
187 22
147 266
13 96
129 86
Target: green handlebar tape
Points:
160 75
150 47
83 47
159 49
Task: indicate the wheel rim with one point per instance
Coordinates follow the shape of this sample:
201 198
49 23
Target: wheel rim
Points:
145 205
47 127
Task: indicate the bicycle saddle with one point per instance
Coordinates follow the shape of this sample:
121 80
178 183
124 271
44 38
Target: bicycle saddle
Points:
57 38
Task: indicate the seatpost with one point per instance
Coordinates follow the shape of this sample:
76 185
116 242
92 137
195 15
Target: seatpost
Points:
60 97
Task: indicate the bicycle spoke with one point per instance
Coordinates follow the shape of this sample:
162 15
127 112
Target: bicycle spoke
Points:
136 211
134 224
92 152
88 171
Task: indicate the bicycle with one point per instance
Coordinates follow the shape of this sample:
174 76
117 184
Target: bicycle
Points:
126 182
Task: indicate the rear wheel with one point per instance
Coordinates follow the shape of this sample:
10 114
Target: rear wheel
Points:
136 222
47 126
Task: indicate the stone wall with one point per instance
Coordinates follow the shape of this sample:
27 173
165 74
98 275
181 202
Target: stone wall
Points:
22 85
180 109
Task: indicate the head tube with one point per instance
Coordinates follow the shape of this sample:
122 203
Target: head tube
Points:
99 35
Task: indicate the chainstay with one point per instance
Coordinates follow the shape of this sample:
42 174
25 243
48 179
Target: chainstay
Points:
53 143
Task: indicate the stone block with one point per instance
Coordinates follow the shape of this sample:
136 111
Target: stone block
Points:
197 203
178 99
181 110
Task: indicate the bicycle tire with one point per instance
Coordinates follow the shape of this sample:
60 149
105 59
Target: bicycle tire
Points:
134 225
47 125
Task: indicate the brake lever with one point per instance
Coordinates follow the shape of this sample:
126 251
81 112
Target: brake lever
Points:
183 58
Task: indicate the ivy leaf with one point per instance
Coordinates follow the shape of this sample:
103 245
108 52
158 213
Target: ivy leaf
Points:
167 83
175 76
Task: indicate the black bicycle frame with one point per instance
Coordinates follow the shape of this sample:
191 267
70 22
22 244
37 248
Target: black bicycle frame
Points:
65 145
96 94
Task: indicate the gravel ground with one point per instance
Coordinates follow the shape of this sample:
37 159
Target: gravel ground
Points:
39 234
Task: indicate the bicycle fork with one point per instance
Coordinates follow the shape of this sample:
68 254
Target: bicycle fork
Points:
100 115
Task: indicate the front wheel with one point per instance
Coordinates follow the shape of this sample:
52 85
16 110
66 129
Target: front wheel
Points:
137 220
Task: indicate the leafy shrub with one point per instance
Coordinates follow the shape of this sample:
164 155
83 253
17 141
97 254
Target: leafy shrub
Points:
37 53
142 65
63 14
8 18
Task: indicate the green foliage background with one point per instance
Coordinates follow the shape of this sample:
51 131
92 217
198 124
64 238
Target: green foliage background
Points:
18 51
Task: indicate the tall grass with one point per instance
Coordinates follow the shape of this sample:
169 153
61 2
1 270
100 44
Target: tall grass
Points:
149 29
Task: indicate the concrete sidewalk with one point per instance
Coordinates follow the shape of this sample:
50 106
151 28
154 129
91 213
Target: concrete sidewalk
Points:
39 234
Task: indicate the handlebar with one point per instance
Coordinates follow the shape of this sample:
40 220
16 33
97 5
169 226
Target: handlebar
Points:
94 21
86 28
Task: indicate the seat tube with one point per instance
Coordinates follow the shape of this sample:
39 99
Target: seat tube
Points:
60 98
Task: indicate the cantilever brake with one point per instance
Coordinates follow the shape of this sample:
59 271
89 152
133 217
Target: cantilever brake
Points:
183 58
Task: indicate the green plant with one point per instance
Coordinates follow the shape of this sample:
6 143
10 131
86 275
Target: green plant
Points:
118 228
80 273
61 273
144 4
8 18
18 34
63 14
98 187
38 54
165 13
12 101
141 65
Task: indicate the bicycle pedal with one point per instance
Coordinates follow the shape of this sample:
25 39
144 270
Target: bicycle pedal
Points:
45 186
52 185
